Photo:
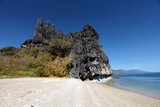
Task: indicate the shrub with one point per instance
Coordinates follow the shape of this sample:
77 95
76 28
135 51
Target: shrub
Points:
59 67
35 64
15 73
29 41
8 50
60 47
69 65
33 52
40 72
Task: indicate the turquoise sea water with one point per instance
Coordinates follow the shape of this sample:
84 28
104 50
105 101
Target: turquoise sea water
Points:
144 83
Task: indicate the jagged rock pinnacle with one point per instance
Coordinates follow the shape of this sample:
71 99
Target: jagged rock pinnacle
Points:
88 57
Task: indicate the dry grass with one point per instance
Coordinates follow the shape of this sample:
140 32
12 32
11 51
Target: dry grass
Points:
35 62
59 67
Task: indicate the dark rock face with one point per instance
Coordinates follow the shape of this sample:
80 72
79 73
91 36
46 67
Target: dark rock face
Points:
45 31
38 37
88 57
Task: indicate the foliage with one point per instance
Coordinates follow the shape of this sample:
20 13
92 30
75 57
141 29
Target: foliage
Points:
27 42
33 52
15 73
8 50
60 47
40 72
59 67
33 62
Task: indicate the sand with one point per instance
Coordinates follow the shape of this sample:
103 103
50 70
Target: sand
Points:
64 92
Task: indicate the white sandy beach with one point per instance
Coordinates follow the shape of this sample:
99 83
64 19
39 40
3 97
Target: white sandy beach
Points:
56 92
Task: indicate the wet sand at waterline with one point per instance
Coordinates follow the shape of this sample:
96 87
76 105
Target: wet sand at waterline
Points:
66 92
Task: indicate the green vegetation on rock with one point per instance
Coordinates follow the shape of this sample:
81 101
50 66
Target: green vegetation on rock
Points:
34 61
60 47
8 51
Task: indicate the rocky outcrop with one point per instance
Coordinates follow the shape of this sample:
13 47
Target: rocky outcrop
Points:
38 34
45 31
88 58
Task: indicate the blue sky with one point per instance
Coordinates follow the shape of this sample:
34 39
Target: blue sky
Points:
129 30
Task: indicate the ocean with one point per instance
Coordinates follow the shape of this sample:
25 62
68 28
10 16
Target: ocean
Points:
147 84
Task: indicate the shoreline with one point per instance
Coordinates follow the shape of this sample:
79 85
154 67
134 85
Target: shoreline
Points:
134 90
141 92
68 92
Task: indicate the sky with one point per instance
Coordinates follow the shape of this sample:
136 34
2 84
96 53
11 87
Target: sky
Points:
129 30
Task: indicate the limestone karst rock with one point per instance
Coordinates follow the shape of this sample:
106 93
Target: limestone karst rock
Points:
88 58
45 31
38 31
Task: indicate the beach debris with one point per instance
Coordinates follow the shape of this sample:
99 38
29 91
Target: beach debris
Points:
26 93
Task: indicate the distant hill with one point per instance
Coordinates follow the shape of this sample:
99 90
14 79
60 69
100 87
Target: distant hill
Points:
131 71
